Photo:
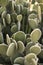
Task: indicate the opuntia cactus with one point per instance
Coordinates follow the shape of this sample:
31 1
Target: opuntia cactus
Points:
21 29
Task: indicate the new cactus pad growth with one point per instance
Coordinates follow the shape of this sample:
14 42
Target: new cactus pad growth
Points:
21 32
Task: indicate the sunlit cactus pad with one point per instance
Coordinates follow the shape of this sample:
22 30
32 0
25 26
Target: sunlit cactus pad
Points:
35 35
21 32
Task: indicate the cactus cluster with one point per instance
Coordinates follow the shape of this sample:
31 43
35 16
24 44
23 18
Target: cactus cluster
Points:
20 32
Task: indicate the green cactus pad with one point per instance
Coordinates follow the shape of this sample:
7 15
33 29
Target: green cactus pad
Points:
30 62
2 9
35 49
31 59
14 28
33 23
21 47
19 60
19 36
8 18
35 35
11 50
3 14
19 17
4 23
41 5
8 39
3 48
30 56
39 13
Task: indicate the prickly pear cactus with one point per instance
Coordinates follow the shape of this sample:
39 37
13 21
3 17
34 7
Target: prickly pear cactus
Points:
41 4
21 32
